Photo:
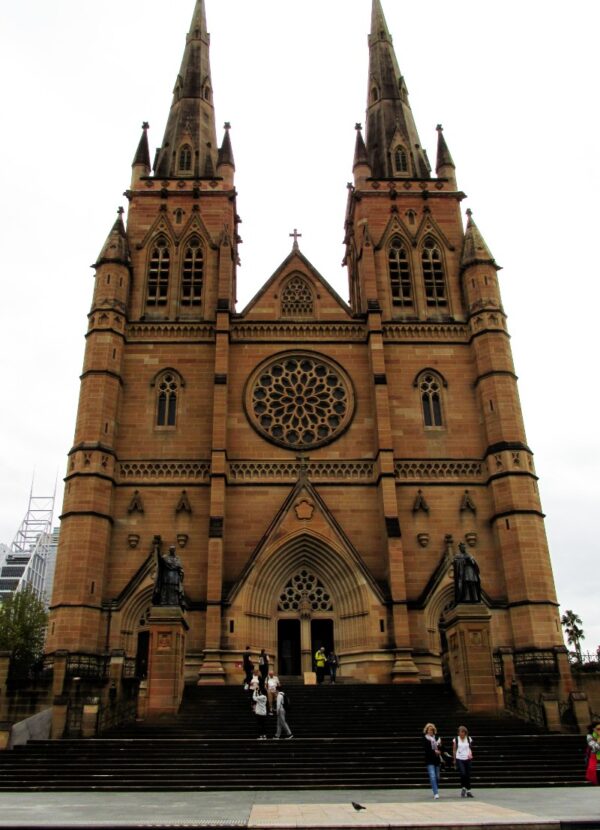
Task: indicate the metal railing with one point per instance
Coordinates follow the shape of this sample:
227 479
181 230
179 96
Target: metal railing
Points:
111 715
525 708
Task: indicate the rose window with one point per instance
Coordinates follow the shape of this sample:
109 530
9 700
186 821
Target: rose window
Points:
304 590
300 401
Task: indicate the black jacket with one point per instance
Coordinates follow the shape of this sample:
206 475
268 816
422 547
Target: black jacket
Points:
430 755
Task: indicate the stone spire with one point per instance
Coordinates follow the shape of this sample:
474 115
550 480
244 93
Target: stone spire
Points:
444 159
142 154
390 122
475 250
226 150
191 126
116 247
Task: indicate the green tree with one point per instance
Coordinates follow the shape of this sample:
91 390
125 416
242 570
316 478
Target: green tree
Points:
23 620
571 622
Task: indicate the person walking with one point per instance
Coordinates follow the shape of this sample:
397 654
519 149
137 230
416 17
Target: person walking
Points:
260 714
263 664
272 685
432 746
333 664
592 772
248 666
320 660
255 682
282 708
463 756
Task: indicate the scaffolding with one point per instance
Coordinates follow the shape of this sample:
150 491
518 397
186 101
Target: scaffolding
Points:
34 546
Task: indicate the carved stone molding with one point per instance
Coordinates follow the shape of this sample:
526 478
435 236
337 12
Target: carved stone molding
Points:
290 470
204 332
468 469
406 332
298 331
164 470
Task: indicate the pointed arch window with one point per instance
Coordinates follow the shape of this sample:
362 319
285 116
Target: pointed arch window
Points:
297 298
305 592
433 274
400 278
430 390
166 399
192 277
185 159
400 160
158 273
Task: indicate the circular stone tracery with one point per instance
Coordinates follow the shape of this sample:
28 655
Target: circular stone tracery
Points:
300 401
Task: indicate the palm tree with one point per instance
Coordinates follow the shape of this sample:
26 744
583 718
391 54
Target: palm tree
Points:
572 623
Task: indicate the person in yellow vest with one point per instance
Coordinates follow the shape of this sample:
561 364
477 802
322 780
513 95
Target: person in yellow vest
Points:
320 661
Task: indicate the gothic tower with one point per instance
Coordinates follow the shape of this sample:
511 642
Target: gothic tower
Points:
316 463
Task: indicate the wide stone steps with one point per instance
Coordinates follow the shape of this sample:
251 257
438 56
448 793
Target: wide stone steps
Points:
519 760
344 737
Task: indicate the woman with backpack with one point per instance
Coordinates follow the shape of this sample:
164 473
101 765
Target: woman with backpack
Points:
463 757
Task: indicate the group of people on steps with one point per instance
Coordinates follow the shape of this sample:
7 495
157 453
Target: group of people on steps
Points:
436 758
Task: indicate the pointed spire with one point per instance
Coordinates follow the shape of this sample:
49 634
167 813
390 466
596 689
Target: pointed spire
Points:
226 150
116 247
360 150
191 125
444 159
393 144
475 249
142 154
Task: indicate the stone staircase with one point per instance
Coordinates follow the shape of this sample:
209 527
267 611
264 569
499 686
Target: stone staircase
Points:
344 737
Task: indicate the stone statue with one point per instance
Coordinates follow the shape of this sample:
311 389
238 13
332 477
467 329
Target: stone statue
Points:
467 582
168 586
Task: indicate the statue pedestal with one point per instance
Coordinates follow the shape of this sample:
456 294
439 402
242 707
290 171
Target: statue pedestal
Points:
470 656
166 656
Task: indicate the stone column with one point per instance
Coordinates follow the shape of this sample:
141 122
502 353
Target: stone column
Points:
581 710
168 628
470 656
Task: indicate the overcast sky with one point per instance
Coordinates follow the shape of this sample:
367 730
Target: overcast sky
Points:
515 85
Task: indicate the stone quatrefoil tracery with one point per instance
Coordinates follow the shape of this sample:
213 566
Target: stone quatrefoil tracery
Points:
296 298
304 591
300 401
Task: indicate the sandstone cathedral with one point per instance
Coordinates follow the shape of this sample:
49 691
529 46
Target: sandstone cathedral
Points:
315 464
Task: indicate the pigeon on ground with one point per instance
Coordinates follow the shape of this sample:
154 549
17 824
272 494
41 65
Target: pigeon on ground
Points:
358 806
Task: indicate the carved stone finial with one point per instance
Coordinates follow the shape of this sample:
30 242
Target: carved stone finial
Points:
420 503
121 211
145 126
183 505
136 505
439 128
227 125
469 212
358 126
467 503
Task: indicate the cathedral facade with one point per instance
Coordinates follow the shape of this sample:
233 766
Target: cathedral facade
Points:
315 463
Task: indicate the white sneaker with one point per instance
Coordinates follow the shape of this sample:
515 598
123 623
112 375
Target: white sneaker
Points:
436 796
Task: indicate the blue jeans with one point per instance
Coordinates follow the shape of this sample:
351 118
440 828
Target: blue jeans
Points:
434 777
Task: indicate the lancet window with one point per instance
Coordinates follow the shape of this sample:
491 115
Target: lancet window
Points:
166 402
430 389
185 159
400 279
192 276
400 160
433 274
158 273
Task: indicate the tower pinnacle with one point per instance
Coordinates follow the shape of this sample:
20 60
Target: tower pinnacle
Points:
475 249
189 146
393 143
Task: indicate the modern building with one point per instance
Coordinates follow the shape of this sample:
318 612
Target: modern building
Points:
30 559
315 463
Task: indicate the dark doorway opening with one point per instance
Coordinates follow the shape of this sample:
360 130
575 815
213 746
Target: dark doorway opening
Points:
288 647
321 634
141 657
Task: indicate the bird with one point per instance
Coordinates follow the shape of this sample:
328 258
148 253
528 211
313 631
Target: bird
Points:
357 806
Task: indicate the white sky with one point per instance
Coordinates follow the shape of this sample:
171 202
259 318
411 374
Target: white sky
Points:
514 84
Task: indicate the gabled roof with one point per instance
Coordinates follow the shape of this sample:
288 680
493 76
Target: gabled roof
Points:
303 264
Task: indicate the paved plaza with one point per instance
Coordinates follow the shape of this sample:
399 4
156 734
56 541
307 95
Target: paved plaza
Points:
491 808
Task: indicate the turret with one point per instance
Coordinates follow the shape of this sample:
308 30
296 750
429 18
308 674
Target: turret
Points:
225 160
444 165
361 167
140 165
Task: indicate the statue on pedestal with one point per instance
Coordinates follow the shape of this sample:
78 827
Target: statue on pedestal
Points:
467 582
168 585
